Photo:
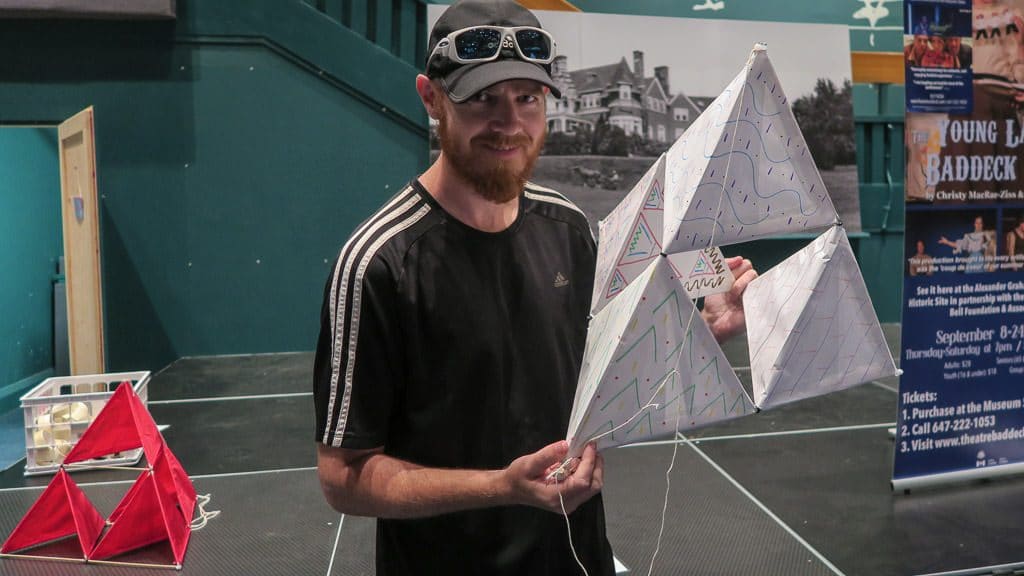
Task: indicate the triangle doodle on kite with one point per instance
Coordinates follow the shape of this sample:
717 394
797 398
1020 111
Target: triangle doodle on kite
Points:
655 199
702 267
617 284
643 244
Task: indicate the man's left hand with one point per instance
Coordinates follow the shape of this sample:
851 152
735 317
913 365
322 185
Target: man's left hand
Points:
724 312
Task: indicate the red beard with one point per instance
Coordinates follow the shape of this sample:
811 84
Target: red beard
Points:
498 181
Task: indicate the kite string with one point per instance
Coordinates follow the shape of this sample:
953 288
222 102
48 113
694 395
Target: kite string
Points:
563 468
668 487
558 478
689 323
204 516
650 404
568 529
728 159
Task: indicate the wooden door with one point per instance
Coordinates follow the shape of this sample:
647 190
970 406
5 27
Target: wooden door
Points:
80 214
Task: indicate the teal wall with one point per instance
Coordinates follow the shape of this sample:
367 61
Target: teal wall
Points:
31 246
236 147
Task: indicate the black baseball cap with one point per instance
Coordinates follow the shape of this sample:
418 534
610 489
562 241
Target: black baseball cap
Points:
461 81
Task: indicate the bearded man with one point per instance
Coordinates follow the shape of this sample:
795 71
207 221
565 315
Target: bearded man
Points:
453 330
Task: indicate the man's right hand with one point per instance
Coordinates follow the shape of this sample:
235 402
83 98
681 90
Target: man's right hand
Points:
527 478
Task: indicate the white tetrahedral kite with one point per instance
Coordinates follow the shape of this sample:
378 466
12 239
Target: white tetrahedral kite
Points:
741 172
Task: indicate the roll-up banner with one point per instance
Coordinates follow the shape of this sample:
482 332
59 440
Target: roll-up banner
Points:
961 400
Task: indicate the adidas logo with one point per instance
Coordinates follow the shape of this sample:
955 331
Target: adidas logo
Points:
561 281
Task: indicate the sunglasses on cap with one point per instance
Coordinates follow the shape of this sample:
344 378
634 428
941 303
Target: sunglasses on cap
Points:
478 44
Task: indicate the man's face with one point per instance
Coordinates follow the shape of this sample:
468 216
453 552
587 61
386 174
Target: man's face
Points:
493 139
954 44
979 224
920 247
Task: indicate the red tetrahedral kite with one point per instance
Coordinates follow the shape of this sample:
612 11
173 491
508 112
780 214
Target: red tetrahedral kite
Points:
158 507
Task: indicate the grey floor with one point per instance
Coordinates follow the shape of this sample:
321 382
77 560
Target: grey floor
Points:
800 490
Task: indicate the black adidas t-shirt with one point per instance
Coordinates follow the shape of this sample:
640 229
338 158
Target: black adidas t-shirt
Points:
456 348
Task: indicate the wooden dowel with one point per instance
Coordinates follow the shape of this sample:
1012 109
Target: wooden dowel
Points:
134 564
84 561
97 467
33 557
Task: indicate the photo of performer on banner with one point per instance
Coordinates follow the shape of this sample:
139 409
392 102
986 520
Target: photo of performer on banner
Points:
937 56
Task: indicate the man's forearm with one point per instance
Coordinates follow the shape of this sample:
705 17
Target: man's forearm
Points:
371 483
386 487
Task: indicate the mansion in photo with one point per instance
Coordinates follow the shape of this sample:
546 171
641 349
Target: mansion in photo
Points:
624 97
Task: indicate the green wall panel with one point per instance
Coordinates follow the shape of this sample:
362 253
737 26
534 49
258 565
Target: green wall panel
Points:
339 54
30 224
879 115
273 194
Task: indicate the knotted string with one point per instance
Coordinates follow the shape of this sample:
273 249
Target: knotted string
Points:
204 516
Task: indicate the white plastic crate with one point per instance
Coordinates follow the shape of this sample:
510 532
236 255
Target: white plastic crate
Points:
58 411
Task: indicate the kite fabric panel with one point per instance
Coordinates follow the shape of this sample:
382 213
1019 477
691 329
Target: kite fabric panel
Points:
651 368
630 238
603 337
742 170
61 511
139 521
123 424
811 327
150 512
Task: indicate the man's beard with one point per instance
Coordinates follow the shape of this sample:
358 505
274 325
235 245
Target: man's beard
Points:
497 181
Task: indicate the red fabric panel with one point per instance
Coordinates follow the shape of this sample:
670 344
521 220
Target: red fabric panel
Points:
113 429
183 484
61 511
146 431
126 499
139 524
177 517
88 521
123 424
